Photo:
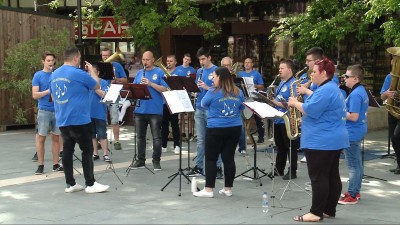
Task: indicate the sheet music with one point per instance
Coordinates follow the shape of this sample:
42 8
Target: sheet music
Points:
112 93
263 109
178 101
249 82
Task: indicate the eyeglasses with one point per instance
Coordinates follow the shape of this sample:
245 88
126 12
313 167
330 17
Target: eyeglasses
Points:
346 76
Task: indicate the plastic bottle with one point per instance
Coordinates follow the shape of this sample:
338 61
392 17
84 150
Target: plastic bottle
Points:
194 184
264 203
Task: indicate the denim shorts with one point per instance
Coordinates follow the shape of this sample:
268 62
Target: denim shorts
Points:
47 123
99 129
114 113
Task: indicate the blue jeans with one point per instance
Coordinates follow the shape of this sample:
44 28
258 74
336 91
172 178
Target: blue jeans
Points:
353 158
200 119
141 123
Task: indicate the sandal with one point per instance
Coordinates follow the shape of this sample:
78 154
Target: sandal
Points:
300 218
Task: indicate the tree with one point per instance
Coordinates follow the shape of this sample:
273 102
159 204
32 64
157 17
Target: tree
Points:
148 18
325 23
23 60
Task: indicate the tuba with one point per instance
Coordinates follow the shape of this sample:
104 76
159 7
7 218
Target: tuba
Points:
117 56
234 70
160 64
393 103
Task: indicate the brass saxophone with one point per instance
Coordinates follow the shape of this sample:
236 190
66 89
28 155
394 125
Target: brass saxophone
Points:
299 97
393 104
292 117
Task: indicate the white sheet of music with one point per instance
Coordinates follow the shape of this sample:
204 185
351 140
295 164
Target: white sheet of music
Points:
249 82
178 101
112 93
263 109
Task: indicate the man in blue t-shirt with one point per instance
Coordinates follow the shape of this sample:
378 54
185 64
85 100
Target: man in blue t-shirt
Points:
167 116
186 70
149 111
394 123
281 138
70 88
356 124
98 115
120 77
204 80
259 84
46 120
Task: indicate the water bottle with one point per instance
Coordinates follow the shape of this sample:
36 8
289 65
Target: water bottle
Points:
194 184
264 204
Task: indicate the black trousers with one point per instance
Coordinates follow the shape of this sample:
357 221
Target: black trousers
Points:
221 141
166 119
323 170
81 134
283 143
394 133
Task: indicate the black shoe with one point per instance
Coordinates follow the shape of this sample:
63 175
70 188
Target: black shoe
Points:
287 176
58 168
39 170
220 174
96 157
138 164
196 171
260 141
34 158
391 170
156 165
60 155
275 174
397 171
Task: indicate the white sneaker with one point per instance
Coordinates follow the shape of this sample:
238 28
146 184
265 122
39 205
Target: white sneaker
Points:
164 149
74 188
303 160
96 188
177 150
203 193
225 192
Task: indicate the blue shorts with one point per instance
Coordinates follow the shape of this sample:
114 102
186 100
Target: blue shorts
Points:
114 113
47 123
99 129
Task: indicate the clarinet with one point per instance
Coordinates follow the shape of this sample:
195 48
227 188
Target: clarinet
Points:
143 76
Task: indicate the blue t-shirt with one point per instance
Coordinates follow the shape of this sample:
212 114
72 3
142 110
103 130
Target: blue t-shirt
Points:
357 102
386 83
283 91
257 78
155 104
323 122
222 111
42 79
70 88
118 71
98 109
182 71
207 78
176 72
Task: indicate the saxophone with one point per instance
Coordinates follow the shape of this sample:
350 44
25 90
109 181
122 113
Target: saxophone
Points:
292 117
299 97
393 104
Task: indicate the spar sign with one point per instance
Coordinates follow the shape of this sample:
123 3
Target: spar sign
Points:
104 28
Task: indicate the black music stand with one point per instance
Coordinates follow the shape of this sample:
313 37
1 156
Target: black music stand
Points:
178 101
138 92
188 84
106 70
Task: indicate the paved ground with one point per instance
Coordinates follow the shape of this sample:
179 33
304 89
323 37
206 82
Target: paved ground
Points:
40 199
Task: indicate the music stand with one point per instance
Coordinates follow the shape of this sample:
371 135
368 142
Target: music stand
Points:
178 101
138 92
106 70
362 160
188 84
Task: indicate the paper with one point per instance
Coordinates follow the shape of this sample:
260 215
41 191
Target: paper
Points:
178 101
112 93
249 82
263 110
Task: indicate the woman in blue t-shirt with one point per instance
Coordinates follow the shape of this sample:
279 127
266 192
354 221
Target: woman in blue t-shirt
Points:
323 136
224 103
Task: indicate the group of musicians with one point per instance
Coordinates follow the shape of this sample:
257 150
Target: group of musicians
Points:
331 121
